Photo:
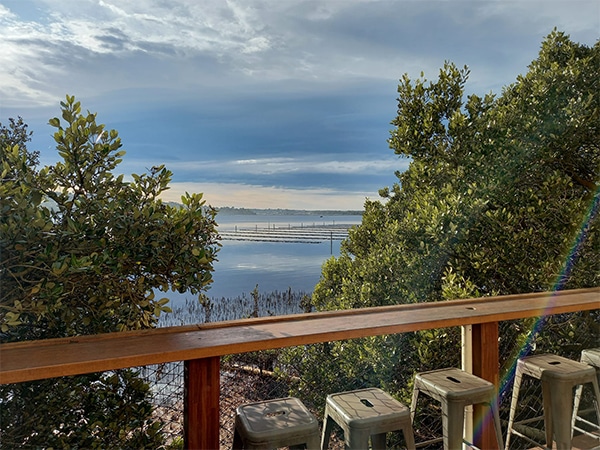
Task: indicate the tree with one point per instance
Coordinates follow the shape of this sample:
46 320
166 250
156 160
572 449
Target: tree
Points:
497 190
83 252
502 196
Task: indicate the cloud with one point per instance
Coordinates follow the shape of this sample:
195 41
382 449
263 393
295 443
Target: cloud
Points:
218 43
20 46
273 166
265 96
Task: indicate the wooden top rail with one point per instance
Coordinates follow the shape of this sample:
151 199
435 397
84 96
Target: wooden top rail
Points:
34 360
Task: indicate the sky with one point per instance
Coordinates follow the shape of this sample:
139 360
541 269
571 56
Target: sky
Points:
261 103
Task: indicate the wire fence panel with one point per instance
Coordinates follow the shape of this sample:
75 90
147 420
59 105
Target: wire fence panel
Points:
311 372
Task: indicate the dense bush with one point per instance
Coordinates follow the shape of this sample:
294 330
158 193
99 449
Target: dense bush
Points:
502 196
84 252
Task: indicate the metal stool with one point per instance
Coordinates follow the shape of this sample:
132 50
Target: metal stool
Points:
283 422
589 356
455 389
366 413
558 376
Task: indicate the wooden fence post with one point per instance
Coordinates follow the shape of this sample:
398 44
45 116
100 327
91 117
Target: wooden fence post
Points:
485 365
202 390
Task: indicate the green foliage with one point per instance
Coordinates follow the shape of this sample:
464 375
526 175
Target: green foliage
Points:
95 411
498 192
83 252
502 196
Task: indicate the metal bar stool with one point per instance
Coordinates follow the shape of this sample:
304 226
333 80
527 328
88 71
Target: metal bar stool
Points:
589 356
558 376
283 422
455 389
365 413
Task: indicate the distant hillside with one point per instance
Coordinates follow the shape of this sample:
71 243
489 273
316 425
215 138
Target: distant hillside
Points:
230 210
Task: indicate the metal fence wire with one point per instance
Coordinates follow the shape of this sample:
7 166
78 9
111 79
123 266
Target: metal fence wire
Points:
312 372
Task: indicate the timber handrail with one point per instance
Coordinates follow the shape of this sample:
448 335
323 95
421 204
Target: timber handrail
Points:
34 360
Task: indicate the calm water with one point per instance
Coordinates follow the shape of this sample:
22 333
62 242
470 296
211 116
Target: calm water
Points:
274 266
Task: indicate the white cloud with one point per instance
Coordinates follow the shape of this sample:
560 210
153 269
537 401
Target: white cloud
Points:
20 65
5 13
56 53
191 44
232 62
272 166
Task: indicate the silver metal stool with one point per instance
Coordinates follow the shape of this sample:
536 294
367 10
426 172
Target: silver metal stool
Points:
455 389
589 356
558 376
283 422
365 413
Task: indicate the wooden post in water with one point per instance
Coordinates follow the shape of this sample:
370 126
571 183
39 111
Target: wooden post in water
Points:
201 403
485 365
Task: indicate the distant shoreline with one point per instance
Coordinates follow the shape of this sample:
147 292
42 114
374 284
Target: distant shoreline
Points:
230 210
234 211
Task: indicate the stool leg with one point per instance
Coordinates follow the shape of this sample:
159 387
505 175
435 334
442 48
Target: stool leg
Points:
576 407
409 437
327 427
413 404
548 401
513 405
596 387
378 441
497 426
356 439
562 401
453 422
313 443
237 440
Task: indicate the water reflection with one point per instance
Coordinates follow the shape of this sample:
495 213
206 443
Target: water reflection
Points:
273 266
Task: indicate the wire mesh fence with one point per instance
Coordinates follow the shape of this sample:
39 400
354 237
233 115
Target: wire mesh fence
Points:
311 372
390 362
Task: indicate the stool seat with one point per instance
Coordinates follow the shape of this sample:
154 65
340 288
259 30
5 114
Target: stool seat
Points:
558 376
554 367
365 413
283 422
454 384
455 389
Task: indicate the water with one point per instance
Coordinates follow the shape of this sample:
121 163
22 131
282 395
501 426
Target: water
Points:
273 266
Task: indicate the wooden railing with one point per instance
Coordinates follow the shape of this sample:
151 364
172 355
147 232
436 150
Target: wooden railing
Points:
201 346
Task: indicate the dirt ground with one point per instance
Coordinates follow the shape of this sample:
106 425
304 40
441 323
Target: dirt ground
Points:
238 386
